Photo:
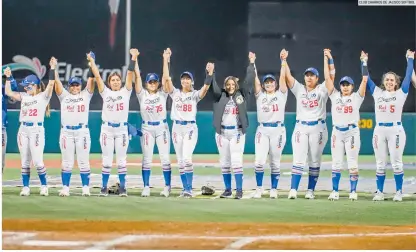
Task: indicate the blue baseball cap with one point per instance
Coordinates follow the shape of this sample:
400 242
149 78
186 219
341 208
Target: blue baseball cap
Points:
346 79
312 70
269 76
75 80
151 77
189 74
30 79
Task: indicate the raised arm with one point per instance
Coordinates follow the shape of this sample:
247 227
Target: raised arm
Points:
58 84
90 81
7 87
215 88
138 84
251 71
328 61
208 80
129 78
409 69
414 78
364 72
364 63
167 84
282 79
257 82
95 71
49 88
290 81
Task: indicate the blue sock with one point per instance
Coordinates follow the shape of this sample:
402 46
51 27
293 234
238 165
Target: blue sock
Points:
66 178
295 181
167 175
227 180
122 178
353 182
85 179
313 177
274 180
42 178
238 181
336 176
380 182
189 177
184 182
259 178
105 178
399 181
146 177
25 179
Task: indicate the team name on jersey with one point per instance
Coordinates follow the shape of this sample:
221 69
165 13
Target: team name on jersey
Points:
27 104
344 106
270 105
180 99
70 100
382 99
310 101
111 99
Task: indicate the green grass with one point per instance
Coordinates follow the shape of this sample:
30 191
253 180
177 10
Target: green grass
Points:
158 208
213 157
13 173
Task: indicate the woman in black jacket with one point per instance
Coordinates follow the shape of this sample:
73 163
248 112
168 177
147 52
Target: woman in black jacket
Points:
231 122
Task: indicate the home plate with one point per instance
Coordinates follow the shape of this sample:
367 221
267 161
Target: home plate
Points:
54 243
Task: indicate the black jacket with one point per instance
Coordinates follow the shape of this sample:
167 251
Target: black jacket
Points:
240 97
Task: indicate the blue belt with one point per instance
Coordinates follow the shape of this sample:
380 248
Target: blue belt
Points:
353 126
115 125
310 123
184 122
389 124
154 123
231 127
276 124
29 124
75 127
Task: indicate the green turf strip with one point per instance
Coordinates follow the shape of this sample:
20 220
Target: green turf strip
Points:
320 210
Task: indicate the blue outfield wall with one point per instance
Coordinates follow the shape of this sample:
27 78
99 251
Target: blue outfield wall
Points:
206 140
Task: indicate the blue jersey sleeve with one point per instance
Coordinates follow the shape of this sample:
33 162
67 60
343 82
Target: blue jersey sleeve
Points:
408 76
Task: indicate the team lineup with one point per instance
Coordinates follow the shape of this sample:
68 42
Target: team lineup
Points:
230 121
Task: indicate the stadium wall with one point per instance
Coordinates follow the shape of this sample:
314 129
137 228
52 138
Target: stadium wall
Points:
206 141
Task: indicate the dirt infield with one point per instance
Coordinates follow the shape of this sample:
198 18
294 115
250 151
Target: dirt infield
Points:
38 234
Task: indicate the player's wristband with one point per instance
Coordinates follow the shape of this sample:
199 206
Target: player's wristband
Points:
330 61
208 79
131 65
365 70
10 78
90 74
52 74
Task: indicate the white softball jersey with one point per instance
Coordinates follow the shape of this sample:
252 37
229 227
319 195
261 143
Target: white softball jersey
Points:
184 105
33 108
75 108
310 106
115 105
152 106
271 107
345 109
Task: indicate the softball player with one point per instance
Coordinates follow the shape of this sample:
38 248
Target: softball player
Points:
310 134
389 135
75 135
31 134
4 122
345 117
114 130
271 133
231 123
155 129
183 115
